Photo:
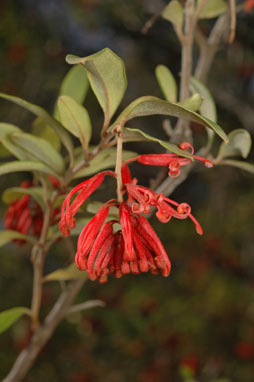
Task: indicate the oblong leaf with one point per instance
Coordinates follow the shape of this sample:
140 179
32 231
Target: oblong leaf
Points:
14 193
192 103
69 273
8 128
208 107
148 105
40 112
17 166
107 77
75 84
75 118
239 144
167 145
173 12
40 150
15 150
8 235
240 164
212 8
42 130
167 83
104 160
5 130
10 316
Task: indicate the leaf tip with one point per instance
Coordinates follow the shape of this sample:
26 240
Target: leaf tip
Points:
72 59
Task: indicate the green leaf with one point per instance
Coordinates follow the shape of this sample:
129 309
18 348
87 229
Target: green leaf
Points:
151 105
40 150
167 83
8 317
192 103
107 77
213 8
40 112
17 166
14 193
43 130
8 235
239 144
240 164
75 84
169 146
75 118
173 12
7 129
69 273
208 107
104 160
4 153
15 150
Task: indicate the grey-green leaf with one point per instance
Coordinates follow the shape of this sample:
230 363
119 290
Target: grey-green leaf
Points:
173 12
69 273
104 160
40 150
239 144
213 8
169 146
7 129
192 103
40 112
107 77
17 166
148 105
75 84
240 164
208 107
8 235
10 316
42 129
75 119
167 83
14 193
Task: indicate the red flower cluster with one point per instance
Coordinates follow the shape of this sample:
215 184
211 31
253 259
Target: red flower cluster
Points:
104 247
25 215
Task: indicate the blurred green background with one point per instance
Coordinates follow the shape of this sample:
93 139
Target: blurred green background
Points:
197 323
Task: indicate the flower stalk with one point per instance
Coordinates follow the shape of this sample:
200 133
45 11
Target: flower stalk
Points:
119 154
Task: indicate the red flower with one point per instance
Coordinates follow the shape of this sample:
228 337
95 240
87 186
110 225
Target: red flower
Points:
134 248
248 5
104 247
173 161
25 215
69 209
142 198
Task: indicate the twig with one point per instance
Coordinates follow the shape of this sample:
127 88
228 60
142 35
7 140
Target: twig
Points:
232 21
86 305
119 131
148 25
187 44
27 357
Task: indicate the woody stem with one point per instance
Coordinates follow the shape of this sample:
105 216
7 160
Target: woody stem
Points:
119 150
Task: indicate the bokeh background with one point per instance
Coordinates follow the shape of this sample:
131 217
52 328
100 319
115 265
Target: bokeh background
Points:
199 322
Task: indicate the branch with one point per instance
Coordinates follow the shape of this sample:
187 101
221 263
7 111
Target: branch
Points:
27 357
